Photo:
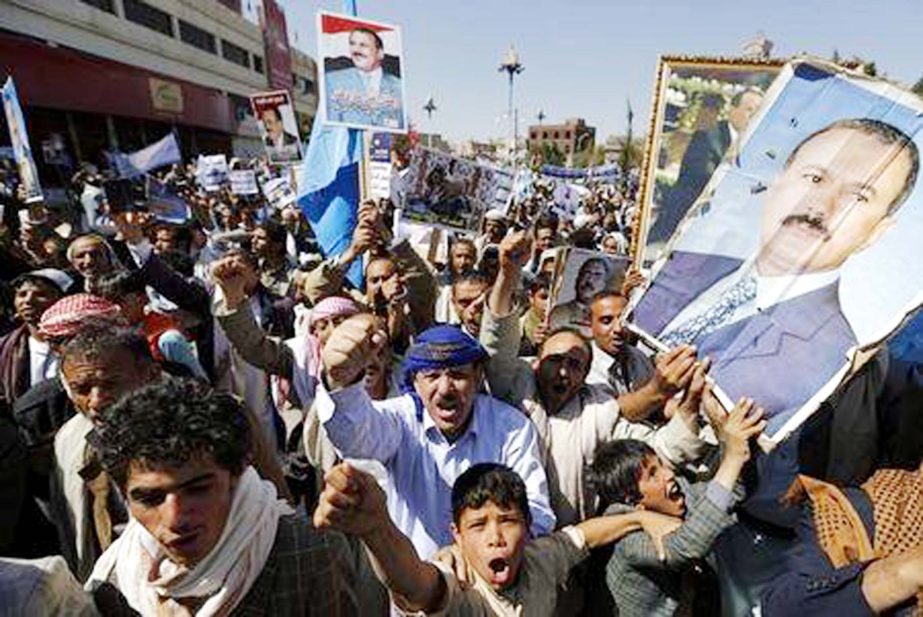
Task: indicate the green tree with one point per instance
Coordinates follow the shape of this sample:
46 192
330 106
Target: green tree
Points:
549 153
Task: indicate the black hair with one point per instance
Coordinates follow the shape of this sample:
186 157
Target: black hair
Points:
539 282
613 476
493 482
569 330
607 293
100 336
887 134
116 285
378 42
275 231
475 277
169 423
247 256
548 220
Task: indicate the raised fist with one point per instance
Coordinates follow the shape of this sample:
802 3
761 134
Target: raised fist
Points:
350 348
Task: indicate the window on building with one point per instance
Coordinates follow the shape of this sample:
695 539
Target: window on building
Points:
566 134
308 86
148 16
258 64
102 5
236 54
533 136
556 135
544 134
197 37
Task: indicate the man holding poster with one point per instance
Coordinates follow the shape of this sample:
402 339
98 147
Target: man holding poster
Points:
362 82
278 127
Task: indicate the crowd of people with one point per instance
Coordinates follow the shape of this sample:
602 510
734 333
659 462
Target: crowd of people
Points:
208 418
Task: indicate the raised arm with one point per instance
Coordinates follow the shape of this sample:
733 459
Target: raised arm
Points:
357 427
353 503
185 294
708 517
232 310
500 333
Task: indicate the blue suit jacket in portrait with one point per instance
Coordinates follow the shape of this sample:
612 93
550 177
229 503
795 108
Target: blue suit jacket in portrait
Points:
780 356
348 102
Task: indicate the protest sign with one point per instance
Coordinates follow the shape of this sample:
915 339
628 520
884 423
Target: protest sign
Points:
164 204
447 191
212 171
19 139
279 192
803 251
278 127
362 84
580 274
243 182
699 104
379 186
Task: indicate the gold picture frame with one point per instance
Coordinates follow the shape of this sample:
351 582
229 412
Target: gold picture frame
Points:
723 77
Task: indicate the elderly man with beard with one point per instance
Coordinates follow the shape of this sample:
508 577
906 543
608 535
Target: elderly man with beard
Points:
572 418
207 535
91 257
430 435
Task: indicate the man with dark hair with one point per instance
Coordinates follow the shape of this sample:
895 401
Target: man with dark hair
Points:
99 365
544 238
773 323
469 292
533 322
509 572
628 476
426 438
642 386
365 93
571 417
593 277
281 145
267 242
207 534
25 356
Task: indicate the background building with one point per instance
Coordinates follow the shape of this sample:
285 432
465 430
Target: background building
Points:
118 74
569 138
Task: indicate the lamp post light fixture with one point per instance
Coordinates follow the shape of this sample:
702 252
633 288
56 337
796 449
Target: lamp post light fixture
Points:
512 67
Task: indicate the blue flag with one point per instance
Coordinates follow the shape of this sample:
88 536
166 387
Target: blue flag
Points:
328 190
160 153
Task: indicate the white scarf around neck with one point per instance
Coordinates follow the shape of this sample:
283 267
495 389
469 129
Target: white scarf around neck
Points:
145 576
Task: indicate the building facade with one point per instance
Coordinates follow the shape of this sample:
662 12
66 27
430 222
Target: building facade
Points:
118 74
569 138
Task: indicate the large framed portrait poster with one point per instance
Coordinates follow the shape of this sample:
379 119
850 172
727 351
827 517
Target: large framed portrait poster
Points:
700 106
802 252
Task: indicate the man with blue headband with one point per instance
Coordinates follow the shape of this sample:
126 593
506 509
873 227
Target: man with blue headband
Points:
426 438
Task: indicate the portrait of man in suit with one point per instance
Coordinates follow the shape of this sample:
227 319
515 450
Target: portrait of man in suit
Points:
773 323
365 93
280 144
704 153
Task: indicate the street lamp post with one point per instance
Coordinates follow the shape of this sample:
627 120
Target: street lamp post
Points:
512 66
